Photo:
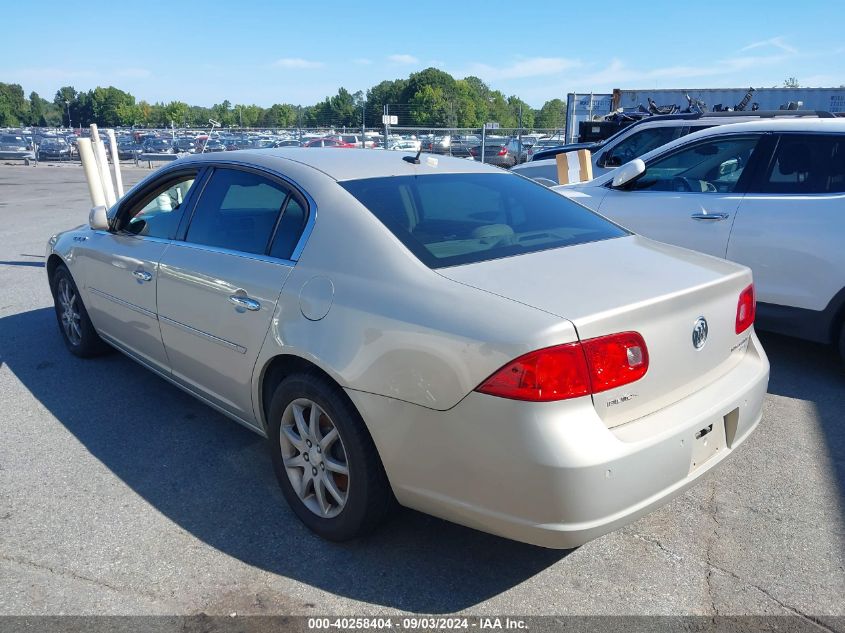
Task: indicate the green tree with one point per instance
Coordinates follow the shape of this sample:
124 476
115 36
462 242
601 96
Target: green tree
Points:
37 107
176 112
66 99
385 93
791 82
430 107
14 109
106 105
552 115
279 115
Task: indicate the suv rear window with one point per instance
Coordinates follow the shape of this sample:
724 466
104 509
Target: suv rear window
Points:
453 219
807 163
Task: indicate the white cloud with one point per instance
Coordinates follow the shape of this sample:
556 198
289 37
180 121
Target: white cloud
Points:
529 67
362 61
296 62
403 59
772 42
619 75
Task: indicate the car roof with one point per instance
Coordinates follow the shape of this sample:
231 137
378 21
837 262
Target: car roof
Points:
353 164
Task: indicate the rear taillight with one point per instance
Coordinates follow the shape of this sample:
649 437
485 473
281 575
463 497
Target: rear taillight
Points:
571 370
745 309
616 360
502 151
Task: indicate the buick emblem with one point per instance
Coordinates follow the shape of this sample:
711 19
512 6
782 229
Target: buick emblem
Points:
699 333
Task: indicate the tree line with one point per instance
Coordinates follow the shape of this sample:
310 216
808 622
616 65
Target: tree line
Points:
428 98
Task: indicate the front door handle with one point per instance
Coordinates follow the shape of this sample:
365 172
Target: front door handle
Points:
713 217
245 302
142 275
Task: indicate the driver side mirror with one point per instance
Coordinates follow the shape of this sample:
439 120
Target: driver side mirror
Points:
628 173
98 219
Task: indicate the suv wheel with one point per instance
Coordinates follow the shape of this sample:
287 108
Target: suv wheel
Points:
325 460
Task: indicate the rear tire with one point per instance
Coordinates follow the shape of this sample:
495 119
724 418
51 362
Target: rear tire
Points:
339 493
76 328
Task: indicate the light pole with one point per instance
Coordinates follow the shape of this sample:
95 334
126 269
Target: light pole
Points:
67 105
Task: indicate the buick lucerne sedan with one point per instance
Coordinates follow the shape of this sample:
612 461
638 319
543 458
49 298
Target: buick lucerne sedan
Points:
436 332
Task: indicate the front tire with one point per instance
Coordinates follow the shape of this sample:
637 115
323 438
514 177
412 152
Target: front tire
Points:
325 460
76 328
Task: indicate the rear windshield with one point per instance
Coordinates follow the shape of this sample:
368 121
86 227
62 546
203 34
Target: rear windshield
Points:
453 219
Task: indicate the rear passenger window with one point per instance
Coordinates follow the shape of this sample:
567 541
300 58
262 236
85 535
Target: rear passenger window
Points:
289 229
807 163
238 210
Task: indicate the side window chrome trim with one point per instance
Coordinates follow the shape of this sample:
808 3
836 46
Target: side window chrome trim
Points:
229 251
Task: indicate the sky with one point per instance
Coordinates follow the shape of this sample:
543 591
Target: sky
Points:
265 52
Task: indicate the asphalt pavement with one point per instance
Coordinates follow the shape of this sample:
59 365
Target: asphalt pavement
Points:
119 494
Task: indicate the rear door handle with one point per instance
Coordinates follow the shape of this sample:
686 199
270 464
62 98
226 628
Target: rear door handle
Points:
712 217
245 302
142 275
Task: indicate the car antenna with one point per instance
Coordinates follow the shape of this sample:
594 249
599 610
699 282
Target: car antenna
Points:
415 160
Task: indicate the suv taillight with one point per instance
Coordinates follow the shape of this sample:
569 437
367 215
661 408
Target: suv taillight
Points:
502 151
745 309
571 370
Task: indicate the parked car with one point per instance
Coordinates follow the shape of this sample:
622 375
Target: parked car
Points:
495 153
53 149
233 144
158 146
646 135
437 144
185 145
328 142
406 145
484 338
13 143
541 145
769 194
128 150
288 143
212 145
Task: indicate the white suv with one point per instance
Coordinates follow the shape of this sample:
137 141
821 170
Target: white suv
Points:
768 194
647 135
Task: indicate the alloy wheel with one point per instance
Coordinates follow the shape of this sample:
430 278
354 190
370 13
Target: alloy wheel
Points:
69 311
314 458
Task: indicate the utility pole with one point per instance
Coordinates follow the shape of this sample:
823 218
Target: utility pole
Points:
386 125
519 137
364 124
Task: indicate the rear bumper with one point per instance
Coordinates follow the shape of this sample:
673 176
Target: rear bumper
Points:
552 474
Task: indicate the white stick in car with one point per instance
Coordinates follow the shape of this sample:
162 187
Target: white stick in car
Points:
92 175
115 159
102 165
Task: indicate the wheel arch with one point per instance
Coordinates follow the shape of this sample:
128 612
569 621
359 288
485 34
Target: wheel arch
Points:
279 367
53 262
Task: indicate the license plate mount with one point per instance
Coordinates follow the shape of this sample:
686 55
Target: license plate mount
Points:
707 442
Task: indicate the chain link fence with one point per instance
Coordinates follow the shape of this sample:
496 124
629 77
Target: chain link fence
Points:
504 147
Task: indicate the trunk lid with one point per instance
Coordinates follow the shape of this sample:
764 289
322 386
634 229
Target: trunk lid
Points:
632 284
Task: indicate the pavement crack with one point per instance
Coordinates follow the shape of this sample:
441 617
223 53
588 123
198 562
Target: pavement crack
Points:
66 573
656 542
708 551
793 610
